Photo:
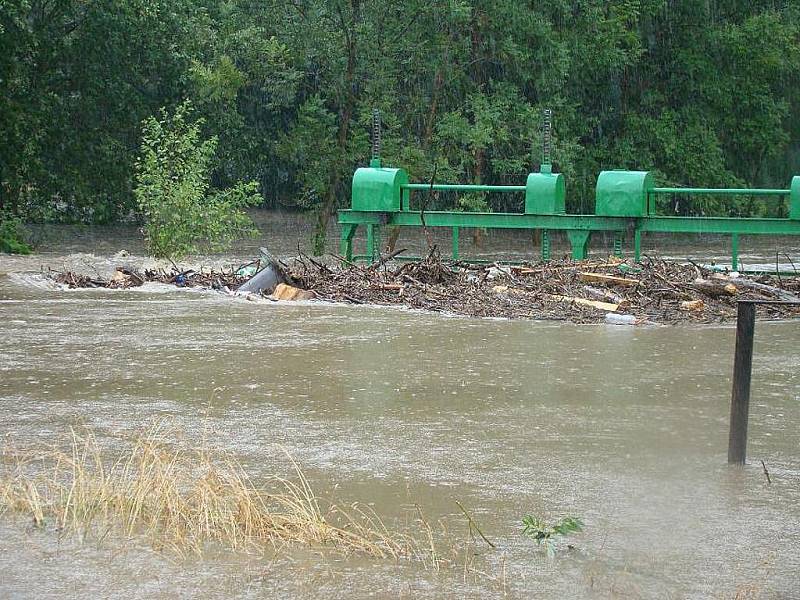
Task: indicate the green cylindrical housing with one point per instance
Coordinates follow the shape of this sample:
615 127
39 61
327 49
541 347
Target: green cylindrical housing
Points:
623 193
794 199
377 189
545 194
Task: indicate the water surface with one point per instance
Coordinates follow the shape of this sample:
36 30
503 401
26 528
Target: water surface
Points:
625 428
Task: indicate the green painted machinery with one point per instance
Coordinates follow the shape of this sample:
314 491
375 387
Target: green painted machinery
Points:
623 193
378 189
624 205
545 193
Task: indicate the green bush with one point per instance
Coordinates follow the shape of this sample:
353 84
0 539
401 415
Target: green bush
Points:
183 215
12 235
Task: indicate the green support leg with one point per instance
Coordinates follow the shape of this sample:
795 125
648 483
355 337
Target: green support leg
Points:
455 243
637 245
735 251
579 240
346 241
619 238
545 244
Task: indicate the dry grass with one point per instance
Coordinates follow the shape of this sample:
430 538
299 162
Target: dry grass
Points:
182 500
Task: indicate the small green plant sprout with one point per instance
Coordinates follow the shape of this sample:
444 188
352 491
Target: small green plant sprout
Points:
545 535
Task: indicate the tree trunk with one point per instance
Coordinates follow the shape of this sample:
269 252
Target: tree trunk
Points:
438 79
346 114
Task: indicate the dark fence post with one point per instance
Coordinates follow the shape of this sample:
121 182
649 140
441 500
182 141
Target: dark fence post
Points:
740 395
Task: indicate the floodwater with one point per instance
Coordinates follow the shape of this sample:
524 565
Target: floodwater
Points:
625 428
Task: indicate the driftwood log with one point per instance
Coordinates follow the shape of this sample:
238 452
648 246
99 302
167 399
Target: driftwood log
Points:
778 293
714 288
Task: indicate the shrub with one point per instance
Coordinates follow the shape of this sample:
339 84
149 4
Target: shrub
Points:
12 235
183 215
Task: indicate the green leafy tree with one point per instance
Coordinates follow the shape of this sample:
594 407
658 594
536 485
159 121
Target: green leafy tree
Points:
183 215
76 80
703 94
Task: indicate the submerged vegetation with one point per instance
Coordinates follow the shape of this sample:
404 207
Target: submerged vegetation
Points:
185 499
545 535
182 500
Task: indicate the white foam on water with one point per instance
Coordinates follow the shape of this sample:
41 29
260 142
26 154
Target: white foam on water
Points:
34 280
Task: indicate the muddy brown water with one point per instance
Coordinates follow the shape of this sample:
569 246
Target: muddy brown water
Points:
625 428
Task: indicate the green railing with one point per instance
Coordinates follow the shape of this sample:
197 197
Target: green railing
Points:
721 191
664 191
458 187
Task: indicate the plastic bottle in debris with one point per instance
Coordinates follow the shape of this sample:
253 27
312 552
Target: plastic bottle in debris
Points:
615 319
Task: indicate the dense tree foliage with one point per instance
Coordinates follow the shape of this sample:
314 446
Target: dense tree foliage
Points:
704 92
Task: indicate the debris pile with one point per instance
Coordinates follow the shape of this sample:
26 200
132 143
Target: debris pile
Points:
129 277
590 291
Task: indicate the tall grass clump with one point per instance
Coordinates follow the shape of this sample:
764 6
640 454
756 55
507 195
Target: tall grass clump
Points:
181 499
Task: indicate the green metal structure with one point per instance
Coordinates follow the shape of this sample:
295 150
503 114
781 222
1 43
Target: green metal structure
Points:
624 204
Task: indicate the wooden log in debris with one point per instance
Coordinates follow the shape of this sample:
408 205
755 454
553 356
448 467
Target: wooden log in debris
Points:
607 279
504 289
692 305
288 292
606 306
602 295
778 293
713 288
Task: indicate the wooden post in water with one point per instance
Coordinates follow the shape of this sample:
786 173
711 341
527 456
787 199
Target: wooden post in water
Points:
740 395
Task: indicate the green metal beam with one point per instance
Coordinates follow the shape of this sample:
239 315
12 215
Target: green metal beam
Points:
346 240
577 227
487 220
721 225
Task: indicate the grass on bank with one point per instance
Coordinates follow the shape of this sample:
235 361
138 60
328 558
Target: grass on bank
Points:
182 500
